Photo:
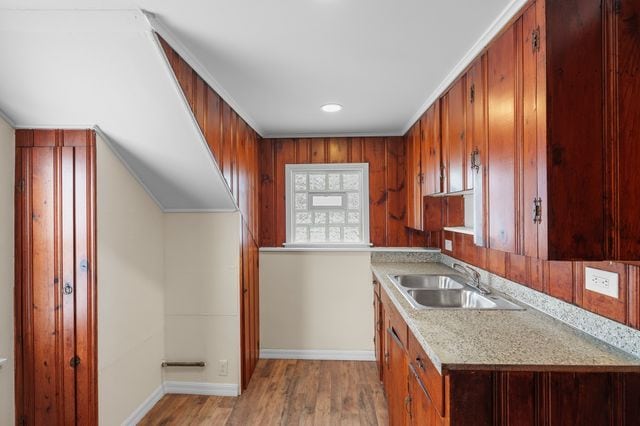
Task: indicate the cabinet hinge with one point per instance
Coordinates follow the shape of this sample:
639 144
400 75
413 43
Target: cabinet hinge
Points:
475 160
20 185
22 421
472 93
535 40
537 210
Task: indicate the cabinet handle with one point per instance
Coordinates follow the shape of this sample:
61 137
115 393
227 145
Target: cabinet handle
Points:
420 363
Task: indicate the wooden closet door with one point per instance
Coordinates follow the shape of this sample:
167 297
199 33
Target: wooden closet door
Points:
54 294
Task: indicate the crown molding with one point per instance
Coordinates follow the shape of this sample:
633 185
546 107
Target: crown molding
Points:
111 145
496 26
160 28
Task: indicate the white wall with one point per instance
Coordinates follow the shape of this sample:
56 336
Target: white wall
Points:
316 301
202 317
7 177
130 290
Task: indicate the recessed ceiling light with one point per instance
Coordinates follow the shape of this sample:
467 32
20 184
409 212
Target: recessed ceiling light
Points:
331 107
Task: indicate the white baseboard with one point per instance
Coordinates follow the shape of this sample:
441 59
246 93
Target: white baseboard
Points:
197 388
324 355
145 407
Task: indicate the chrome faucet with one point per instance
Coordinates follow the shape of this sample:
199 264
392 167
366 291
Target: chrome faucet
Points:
472 276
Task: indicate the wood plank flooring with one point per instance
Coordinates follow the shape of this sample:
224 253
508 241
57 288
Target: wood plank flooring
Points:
286 392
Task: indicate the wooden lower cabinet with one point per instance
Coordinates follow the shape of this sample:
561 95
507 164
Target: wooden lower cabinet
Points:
422 409
418 394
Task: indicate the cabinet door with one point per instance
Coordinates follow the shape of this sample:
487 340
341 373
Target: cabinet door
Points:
530 147
396 385
476 136
431 151
453 135
502 88
414 178
378 341
423 411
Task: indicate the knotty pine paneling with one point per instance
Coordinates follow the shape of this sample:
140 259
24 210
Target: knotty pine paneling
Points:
233 143
387 200
562 280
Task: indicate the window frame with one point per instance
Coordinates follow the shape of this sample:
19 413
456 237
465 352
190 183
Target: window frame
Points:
291 169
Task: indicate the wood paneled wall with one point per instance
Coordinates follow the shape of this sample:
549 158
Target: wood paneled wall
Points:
563 280
234 145
387 196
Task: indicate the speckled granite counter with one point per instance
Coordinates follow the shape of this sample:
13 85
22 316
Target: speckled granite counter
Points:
499 340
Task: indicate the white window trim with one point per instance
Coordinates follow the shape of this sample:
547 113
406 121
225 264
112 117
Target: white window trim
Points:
290 169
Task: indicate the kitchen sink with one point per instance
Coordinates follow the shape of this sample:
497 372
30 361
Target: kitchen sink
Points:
452 299
434 282
431 291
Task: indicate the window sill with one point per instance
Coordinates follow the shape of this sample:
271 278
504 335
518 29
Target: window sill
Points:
349 249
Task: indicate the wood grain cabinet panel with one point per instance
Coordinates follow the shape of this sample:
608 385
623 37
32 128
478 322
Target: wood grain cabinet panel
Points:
423 411
502 152
476 134
454 143
414 178
431 145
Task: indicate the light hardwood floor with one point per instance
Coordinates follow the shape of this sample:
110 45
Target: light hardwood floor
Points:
286 392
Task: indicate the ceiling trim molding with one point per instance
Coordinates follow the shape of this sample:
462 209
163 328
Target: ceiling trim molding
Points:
109 143
8 119
200 210
334 135
56 126
187 108
158 27
496 26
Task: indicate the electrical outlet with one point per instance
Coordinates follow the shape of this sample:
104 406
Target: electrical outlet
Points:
603 282
448 245
223 367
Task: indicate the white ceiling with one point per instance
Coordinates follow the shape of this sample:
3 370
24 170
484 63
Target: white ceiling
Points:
69 63
79 69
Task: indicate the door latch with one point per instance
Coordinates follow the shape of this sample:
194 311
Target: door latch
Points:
74 361
536 212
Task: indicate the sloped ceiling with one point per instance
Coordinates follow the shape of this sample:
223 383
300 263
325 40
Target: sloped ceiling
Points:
66 69
70 63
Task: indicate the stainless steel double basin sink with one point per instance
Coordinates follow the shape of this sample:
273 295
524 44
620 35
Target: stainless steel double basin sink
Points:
434 291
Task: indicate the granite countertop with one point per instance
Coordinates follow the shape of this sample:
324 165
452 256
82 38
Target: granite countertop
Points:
499 340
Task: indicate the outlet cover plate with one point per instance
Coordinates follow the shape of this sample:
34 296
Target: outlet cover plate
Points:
603 282
448 245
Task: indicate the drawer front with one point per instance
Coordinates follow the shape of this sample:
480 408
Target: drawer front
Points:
395 320
428 374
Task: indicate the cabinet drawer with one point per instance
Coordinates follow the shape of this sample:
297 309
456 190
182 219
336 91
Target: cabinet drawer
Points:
431 378
395 320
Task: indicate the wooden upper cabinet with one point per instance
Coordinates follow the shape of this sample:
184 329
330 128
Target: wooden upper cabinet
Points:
502 161
414 178
431 145
454 135
476 134
625 123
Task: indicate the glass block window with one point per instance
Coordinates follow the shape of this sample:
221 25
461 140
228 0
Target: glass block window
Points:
327 204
